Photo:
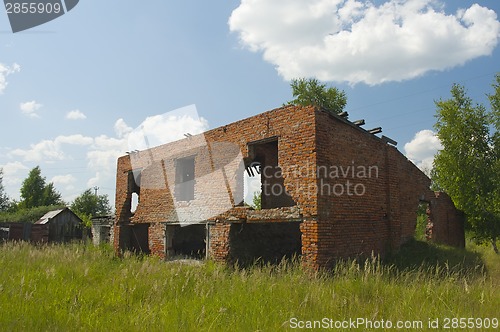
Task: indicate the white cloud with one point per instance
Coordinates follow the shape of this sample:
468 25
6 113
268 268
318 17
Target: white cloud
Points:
358 41
63 179
153 131
51 150
67 181
121 128
11 172
29 108
98 179
75 115
74 140
161 129
103 151
13 175
422 148
6 71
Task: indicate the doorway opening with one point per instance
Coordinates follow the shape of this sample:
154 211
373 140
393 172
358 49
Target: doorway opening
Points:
186 241
423 227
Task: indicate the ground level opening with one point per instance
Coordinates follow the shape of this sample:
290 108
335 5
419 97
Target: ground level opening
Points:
264 242
139 241
186 241
423 228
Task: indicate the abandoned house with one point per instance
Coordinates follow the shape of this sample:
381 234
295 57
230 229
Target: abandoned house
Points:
63 225
329 189
55 226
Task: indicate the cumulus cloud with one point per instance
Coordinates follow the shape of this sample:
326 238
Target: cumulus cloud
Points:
121 128
357 41
67 181
11 172
29 108
153 131
422 148
103 151
51 150
161 129
98 179
6 71
75 115
74 140
63 179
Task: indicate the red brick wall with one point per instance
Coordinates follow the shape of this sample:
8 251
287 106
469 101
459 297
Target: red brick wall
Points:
384 216
448 222
378 215
157 239
294 129
219 241
353 216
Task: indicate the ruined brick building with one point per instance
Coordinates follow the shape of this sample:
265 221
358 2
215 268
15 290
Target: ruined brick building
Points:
330 189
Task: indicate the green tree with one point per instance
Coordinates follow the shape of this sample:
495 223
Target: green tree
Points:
51 196
36 192
4 199
32 189
467 167
257 200
89 204
495 143
311 92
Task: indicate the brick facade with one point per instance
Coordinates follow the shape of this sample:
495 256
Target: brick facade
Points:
344 191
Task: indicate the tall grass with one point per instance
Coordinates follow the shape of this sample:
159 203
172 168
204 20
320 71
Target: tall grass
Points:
78 287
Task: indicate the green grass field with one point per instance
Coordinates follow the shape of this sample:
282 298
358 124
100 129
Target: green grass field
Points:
78 287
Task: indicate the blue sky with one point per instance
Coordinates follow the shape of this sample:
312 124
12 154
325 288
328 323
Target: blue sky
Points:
72 89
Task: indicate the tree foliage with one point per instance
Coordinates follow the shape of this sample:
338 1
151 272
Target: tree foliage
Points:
28 215
89 204
4 199
467 167
51 196
311 92
36 192
257 200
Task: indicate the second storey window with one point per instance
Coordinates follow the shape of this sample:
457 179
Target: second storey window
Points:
184 179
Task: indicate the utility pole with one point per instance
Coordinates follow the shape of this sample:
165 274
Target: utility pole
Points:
96 188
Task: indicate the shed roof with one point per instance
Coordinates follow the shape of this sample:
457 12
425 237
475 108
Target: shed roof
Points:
49 215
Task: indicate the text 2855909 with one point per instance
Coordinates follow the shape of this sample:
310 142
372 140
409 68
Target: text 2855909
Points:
33 8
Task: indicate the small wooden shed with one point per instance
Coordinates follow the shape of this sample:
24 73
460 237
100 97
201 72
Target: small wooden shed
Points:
64 225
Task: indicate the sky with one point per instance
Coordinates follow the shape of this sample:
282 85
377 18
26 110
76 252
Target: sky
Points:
73 91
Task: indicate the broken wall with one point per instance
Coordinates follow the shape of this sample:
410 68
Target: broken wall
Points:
364 200
353 185
448 222
292 130
368 202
